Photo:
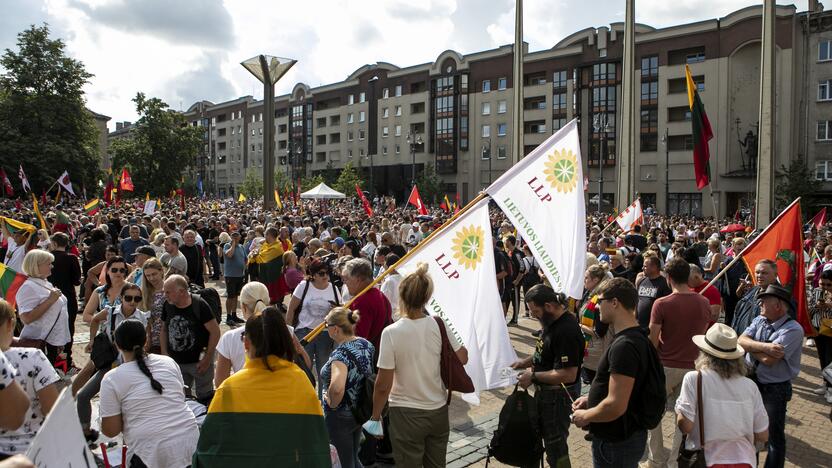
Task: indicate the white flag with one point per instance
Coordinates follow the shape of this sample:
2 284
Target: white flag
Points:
541 195
60 441
23 180
631 216
461 263
149 207
64 181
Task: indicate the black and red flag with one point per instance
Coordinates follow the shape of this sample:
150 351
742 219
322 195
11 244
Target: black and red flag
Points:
702 133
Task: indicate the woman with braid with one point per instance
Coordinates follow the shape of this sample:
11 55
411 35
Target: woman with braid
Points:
144 399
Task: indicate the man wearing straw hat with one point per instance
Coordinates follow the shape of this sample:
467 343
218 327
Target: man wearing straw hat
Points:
773 344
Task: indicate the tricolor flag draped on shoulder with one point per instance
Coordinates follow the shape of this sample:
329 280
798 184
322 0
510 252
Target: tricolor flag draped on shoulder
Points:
543 197
460 261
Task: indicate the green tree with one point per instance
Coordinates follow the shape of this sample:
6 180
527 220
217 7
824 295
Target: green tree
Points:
308 183
797 180
44 124
347 180
160 147
430 185
252 186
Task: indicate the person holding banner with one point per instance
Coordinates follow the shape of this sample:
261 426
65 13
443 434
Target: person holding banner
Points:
35 375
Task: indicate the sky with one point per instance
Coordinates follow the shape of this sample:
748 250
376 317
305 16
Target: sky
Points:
183 51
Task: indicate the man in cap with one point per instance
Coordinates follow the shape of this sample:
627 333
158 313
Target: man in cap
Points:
773 344
141 255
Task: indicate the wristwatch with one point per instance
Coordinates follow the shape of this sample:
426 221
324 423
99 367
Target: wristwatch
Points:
534 379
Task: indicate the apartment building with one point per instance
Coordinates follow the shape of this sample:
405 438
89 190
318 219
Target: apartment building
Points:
455 114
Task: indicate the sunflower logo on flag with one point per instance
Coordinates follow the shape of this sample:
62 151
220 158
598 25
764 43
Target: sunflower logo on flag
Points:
468 246
561 170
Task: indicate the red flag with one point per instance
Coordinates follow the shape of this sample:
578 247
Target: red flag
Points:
367 208
6 183
126 183
456 207
416 201
43 198
118 195
819 219
782 242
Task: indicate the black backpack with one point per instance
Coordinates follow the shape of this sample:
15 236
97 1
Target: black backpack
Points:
517 440
652 392
362 408
211 297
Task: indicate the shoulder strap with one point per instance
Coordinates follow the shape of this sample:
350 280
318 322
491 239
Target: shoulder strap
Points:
112 324
334 293
699 410
194 298
445 341
303 296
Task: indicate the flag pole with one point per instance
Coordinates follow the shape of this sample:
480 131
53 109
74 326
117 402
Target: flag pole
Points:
713 202
738 256
317 330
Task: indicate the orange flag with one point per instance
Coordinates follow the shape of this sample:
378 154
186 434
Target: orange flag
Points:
782 241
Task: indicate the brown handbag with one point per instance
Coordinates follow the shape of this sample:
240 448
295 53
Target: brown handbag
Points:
450 367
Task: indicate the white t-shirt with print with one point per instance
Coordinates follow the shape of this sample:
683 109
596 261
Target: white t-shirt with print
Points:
7 372
413 349
231 347
159 428
316 304
34 372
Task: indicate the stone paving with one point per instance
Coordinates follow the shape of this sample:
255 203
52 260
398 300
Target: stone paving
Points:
809 429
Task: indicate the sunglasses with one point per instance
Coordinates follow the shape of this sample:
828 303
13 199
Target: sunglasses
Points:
135 299
602 299
118 270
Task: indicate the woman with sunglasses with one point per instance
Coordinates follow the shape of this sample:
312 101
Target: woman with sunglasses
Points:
108 294
153 299
109 320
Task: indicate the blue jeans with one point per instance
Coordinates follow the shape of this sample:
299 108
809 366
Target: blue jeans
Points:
318 350
620 454
345 435
775 397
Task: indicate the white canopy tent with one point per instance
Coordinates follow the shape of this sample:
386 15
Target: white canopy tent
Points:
322 192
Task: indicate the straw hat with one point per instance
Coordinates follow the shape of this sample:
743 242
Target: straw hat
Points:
720 341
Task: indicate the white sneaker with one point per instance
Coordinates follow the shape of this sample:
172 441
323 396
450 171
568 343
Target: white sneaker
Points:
829 395
820 390
810 342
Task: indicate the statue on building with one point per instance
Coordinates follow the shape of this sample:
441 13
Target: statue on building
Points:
749 146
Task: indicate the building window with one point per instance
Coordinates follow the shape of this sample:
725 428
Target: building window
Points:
350 99
253 117
685 204
385 93
559 79
649 129
486 131
349 154
384 150
350 135
362 97
361 134
650 93
501 152
398 130
260 117
398 111
361 152
537 126
350 118
559 103
824 51
650 67
824 91
385 112
486 108
361 116
603 72
558 123
823 170
501 129
695 57
384 132
824 130
398 149
501 106
486 86
261 131
502 83
398 90
252 130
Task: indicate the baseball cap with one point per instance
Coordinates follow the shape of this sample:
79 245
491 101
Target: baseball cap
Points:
339 242
146 250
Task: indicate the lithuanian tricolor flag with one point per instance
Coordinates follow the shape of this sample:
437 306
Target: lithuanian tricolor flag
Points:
10 282
701 128
269 262
14 226
92 206
37 212
260 417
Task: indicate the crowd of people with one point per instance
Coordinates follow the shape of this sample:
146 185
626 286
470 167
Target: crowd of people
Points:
648 328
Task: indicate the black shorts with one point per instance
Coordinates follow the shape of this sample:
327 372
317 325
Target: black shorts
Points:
233 286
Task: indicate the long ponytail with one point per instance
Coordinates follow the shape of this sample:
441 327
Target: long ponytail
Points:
138 354
268 334
130 335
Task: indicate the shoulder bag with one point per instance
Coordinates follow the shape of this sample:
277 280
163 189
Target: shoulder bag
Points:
104 352
450 367
695 458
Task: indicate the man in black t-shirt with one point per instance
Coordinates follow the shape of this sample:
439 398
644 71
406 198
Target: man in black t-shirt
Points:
636 239
612 418
650 287
189 335
556 363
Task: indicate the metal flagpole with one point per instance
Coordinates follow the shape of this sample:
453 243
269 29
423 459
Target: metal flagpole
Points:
317 330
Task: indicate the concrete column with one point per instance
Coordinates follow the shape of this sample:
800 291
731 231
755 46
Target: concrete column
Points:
517 123
767 144
625 192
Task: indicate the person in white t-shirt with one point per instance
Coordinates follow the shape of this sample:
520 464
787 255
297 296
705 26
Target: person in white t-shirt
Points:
734 415
408 377
42 306
18 242
390 285
144 399
13 399
35 375
231 354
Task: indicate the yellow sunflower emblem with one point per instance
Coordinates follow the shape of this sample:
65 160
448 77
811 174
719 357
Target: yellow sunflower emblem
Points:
562 170
468 246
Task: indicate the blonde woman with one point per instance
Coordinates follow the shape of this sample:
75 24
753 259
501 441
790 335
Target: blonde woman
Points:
153 299
713 260
231 355
42 306
408 377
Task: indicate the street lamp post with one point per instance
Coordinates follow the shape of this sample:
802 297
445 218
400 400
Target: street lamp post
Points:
268 69
600 125
666 140
413 140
